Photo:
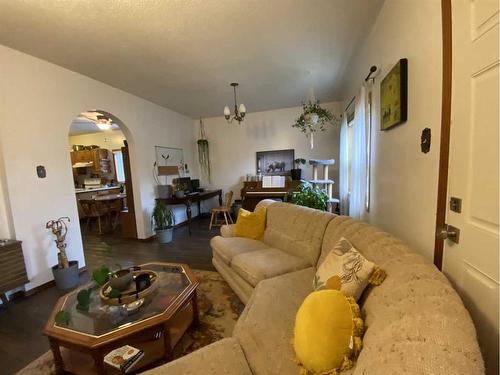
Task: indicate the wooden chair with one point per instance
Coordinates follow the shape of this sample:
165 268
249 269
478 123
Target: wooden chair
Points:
225 210
115 207
93 209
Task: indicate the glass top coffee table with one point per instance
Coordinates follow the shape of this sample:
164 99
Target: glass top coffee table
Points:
155 326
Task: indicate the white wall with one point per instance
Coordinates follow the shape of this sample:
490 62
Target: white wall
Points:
6 229
110 140
233 146
404 180
38 102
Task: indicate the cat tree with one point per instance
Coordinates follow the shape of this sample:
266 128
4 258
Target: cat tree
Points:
325 183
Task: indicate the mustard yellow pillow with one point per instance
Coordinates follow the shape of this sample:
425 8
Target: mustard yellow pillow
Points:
327 334
251 224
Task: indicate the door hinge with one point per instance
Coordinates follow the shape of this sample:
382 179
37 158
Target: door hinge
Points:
448 232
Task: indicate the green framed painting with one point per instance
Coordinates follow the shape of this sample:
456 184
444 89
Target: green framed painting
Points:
394 96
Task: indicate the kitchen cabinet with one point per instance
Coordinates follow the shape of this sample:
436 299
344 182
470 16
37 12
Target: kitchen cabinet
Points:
83 156
99 157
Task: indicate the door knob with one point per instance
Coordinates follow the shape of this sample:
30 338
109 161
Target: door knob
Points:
448 232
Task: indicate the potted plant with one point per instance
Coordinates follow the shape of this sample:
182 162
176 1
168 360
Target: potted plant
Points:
163 222
297 172
313 118
309 196
65 272
203 153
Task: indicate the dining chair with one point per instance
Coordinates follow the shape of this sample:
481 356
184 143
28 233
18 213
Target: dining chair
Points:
225 210
93 209
115 207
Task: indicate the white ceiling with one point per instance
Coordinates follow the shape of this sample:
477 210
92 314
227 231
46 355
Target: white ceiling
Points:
86 123
182 54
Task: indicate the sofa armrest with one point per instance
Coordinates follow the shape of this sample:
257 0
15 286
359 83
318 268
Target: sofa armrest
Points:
227 230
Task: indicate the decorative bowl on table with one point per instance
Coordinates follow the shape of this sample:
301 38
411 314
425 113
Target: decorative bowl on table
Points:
114 297
121 279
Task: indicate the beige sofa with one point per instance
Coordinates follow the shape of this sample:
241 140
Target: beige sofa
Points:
415 321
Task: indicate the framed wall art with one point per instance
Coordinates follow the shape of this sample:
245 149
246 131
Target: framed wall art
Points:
275 162
394 96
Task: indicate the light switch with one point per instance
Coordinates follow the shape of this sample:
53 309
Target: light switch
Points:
40 171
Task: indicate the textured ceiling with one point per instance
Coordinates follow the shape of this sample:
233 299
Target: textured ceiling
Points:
182 54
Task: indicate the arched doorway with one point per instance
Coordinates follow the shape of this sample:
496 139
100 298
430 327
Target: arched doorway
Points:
101 174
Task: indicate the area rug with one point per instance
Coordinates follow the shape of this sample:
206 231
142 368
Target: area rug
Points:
219 308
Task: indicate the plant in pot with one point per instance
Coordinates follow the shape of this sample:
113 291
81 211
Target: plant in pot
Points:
163 221
297 172
203 153
309 196
65 272
314 118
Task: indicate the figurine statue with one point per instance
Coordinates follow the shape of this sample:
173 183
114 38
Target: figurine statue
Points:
59 229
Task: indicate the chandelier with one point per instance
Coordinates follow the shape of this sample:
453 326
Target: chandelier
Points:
103 122
239 111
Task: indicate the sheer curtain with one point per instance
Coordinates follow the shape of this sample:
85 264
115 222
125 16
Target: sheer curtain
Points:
344 166
357 198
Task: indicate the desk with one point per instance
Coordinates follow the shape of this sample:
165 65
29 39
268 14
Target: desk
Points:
188 200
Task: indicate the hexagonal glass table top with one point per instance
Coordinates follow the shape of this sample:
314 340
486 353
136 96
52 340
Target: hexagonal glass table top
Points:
102 319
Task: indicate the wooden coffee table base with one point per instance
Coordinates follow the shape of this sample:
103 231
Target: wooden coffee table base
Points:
155 336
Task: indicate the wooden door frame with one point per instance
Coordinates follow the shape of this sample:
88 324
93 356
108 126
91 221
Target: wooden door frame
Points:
128 220
444 148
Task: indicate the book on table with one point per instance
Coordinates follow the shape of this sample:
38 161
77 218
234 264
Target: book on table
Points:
123 358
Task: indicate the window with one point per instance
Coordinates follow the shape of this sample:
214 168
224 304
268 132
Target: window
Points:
119 170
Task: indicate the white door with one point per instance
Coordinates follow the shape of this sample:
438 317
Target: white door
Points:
473 263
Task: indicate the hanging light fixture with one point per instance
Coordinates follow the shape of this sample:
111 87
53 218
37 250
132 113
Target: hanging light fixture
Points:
104 123
239 111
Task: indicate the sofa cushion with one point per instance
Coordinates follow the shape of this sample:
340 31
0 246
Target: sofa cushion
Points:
258 265
265 327
223 357
375 245
296 230
227 230
228 247
425 322
241 287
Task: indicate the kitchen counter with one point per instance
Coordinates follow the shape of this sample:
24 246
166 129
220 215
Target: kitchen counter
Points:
88 190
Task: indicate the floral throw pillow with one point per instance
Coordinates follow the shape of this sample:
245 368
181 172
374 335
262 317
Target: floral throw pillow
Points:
353 269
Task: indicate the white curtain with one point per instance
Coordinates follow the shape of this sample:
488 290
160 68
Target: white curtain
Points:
357 198
344 166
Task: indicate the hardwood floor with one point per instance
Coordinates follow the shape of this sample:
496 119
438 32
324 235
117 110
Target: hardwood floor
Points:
22 321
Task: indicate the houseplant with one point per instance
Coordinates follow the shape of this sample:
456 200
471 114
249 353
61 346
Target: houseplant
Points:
297 172
309 196
65 272
163 222
313 118
203 153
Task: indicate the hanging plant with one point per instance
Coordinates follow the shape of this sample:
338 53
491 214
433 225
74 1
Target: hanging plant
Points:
314 118
203 153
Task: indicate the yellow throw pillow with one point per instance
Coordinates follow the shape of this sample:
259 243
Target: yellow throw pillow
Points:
328 330
251 224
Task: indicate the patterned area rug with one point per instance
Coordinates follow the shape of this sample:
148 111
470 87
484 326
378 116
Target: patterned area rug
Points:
219 309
